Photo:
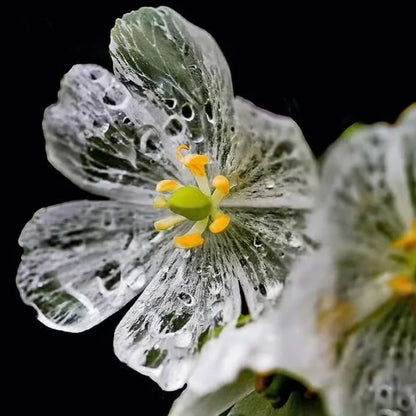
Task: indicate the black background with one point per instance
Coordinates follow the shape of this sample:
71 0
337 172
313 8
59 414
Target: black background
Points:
326 68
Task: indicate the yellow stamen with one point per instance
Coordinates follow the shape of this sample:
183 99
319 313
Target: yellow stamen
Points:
402 285
168 222
160 202
222 184
220 224
195 163
179 152
408 241
168 185
189 241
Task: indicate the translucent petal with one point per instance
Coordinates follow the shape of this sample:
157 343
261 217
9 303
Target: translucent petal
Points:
106 141
365 204
377 367
84 260
223 359
265 244
163 59
285 337
270 163
365 199
331 328
193 294
191 404
408 128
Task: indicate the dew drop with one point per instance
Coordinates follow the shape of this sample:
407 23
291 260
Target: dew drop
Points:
257 242
187 112
270 184
197 140
95 74
208 111
262 289
186 298
174 127
150 143
170 102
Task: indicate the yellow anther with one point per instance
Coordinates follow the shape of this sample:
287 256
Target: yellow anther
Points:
408 241
168 185
222 184
160 202
168 222
179 152
195 163
402 285
220 224
189 241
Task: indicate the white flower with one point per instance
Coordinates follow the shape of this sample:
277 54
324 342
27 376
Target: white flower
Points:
346 325
166 116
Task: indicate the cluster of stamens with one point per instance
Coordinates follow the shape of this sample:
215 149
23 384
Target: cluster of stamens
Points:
192 203
404 284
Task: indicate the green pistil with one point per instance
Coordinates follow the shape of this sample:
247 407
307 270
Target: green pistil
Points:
191 203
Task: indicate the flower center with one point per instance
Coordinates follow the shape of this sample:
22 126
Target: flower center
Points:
196 204
404 284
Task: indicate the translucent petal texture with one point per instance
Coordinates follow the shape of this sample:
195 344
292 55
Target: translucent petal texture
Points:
365 203
270 163
408 131
265 243
106 141
331 328
84 260
223 359
163 59
190 297
377 367
190 404
364 194
192 294
285 337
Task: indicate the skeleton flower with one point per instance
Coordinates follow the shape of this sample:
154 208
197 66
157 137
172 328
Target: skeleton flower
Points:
346 325
208 193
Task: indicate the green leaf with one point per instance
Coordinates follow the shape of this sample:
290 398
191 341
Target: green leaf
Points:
297 405
215 403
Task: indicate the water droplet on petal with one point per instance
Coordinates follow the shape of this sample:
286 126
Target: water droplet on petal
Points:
257 242
269 184
186 298
262 289
197 140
